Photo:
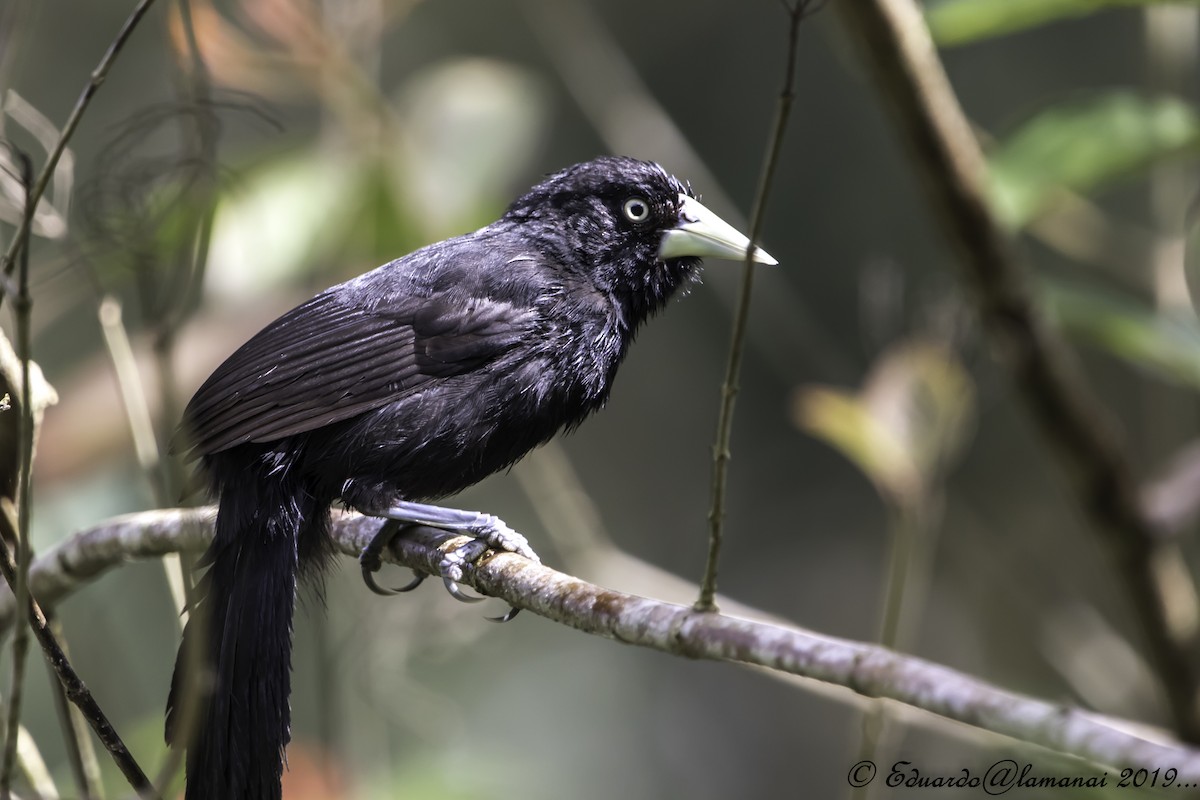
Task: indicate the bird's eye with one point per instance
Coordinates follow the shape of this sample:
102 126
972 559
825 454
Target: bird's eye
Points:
636 209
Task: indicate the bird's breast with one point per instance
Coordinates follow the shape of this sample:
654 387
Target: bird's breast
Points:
443 439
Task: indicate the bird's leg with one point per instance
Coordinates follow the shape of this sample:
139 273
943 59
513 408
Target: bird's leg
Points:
487 530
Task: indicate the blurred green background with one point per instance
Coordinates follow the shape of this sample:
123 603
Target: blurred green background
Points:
349 133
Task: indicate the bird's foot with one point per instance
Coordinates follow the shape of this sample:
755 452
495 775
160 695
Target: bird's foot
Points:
488 532
492 532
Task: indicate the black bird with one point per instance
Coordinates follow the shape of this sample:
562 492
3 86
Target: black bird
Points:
404 385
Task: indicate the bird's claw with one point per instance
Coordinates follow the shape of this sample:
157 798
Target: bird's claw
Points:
370 562
458 594
417 579
506 616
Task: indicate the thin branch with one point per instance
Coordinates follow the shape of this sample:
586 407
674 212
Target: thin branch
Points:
897 45
141 428
76 690
81 754
22 308
202 134
741 316
7 262
864 669
133 395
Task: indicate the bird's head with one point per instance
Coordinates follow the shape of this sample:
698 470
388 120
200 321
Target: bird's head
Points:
634 230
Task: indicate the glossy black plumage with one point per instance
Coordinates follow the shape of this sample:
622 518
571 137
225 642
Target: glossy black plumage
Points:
410 382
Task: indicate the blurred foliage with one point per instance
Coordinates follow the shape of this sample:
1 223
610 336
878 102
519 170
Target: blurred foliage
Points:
1165 342
1083 145
905 427
296 211
958 22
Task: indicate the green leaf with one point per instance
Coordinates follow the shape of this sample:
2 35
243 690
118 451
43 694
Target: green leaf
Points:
1167 343
1084 145
955 22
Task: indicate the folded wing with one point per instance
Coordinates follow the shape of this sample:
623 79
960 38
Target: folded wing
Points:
331 359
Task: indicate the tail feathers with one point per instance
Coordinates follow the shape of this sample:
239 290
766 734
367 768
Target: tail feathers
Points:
229 692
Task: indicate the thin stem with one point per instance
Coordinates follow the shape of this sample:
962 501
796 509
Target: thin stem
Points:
133 397
81 755
8 261
141 428
733 366
911 529
203 142
20 650
180 299
76 690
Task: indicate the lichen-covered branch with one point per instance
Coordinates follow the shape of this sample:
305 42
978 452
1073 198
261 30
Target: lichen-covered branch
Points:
865 669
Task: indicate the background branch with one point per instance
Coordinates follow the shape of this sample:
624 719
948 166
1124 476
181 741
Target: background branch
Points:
73 686
911 78
864 669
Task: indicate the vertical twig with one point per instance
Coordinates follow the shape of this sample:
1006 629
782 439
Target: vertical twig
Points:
76 690
22 307
133 396
81 755
733 366
177 301
913 530
141 427
180 296
192 262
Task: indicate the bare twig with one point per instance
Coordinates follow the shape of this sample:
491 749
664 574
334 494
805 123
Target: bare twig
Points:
741 316
22 307
133 396
76 690
81 755
85 98
141 428
897 45
864 669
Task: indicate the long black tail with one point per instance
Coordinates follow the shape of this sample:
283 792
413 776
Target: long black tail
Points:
229 692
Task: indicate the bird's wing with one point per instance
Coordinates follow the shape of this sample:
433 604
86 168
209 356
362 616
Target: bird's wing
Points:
333 358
